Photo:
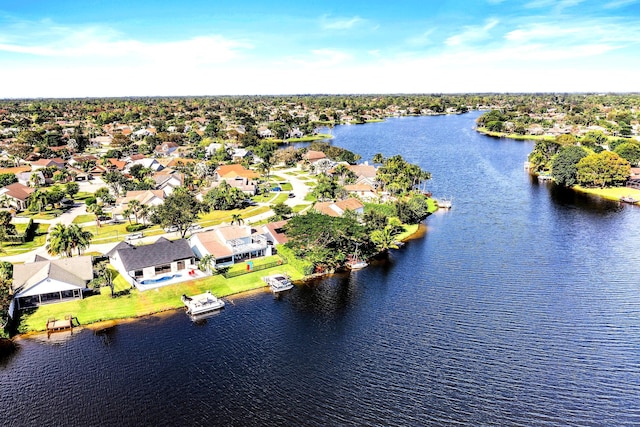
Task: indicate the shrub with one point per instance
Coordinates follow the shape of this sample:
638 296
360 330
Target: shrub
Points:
135 227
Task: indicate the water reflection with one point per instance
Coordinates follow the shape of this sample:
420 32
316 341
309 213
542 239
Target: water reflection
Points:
8 350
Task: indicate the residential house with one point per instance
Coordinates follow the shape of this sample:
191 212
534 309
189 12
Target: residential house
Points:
47 281
239 154
46 163
166 148
115 164
146 162
275 233
295 133
101 141
145 197
364 191
265 132
313 156
232 171
365 174
338 208
147 262
230 244
168 182
31 178
16 195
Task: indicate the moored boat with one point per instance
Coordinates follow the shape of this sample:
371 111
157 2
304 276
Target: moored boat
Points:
202 303
444 203
278 282
628 199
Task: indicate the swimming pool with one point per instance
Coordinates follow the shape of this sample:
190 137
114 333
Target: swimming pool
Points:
160 280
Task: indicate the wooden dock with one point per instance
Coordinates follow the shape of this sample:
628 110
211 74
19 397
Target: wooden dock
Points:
54 325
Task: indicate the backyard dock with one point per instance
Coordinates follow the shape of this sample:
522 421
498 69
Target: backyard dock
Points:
54 325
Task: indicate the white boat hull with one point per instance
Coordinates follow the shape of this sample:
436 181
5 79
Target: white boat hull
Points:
202 303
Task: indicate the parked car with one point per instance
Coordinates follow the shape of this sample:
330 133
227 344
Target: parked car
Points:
276 189
134 236
291 195
171 228
194 227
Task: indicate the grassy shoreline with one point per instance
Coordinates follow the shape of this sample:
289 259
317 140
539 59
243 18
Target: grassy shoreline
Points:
609 193
100 311
135 304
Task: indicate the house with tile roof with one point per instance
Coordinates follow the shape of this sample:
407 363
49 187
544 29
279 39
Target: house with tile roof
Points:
17 195
229 244
145 197
364 191
47 281
275 233
338 208
233 171
138 263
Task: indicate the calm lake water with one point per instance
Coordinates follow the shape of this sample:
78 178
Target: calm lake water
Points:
520 306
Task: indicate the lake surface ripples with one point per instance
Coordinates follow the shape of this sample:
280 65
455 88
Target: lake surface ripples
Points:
520 306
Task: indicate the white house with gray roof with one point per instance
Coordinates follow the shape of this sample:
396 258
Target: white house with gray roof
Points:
46 281
147 263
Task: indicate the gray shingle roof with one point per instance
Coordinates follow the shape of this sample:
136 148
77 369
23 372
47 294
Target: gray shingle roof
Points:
76 271
161 252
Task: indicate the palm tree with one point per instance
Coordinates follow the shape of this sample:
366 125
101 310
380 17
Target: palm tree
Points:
79 238
135 206
206 262
96 209
145 211
106 275
384 239
237 219
39 199
59 241
127 214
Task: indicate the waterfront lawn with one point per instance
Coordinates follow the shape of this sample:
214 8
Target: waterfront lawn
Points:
101 307
611 193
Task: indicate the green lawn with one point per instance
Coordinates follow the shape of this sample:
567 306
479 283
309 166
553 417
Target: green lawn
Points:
49 213
300 208
282 197
610 193
101 307
39 240
81 219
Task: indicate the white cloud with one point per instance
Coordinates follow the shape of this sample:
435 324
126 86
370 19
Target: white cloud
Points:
615 4
472 34
100 43
329 23
557 5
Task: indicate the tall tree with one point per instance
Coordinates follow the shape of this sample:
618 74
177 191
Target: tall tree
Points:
181 209
564 166
602 170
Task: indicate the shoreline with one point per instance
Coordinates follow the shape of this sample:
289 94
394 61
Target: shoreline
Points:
102 325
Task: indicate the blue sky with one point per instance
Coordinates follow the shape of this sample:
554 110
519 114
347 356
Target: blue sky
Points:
195 47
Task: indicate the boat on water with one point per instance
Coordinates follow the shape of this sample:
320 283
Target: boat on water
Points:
278 282
356 263
202 303
444 203
629 199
